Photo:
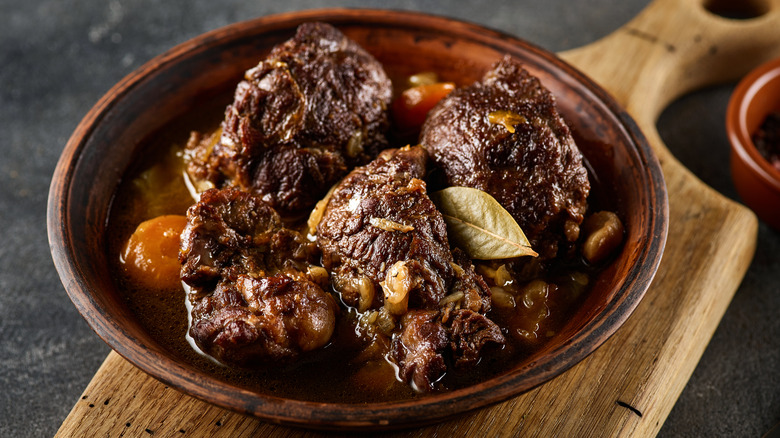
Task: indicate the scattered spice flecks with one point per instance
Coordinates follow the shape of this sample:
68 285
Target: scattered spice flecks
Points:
767 139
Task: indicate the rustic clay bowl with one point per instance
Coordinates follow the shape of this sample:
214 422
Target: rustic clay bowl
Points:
756 180
104 144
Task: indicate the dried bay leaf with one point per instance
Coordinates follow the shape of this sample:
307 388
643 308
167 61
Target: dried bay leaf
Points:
479 225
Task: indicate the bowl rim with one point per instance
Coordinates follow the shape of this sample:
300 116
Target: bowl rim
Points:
334 415
739 135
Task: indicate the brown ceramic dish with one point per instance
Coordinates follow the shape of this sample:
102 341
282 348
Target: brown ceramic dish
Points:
106 142
756 180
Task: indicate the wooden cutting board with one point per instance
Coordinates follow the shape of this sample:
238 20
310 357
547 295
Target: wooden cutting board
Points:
629 385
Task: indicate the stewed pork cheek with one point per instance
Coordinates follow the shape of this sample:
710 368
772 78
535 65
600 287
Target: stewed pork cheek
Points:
312 110
255 291
504 135
385 245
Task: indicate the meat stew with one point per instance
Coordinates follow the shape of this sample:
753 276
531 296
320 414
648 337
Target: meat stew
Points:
527 299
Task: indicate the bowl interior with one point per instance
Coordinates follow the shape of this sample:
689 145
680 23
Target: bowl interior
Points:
194 74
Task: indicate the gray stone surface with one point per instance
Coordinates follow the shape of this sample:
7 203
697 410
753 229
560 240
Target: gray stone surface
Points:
58 57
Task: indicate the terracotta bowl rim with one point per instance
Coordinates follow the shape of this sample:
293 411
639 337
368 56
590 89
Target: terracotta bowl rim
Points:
334 415
739 135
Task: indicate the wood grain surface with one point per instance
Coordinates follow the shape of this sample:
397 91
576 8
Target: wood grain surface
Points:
629 385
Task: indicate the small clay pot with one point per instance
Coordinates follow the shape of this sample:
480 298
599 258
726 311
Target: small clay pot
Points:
756 180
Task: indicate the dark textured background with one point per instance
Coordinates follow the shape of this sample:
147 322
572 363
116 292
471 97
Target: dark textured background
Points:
58 57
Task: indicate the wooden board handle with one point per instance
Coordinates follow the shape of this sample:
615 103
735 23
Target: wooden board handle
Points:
676 46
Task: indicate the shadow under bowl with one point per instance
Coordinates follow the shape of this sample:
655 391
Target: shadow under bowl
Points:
756 180
104 145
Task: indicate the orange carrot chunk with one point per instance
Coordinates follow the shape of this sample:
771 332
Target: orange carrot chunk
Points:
412 106
151 256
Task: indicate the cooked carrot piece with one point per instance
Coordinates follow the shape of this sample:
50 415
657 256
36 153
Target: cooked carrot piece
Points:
412 106
151 256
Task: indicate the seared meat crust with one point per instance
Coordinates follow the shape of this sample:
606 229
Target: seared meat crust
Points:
378 215
418 351
429 340
252 320
314 108
379 218
470 332
535 172
255 293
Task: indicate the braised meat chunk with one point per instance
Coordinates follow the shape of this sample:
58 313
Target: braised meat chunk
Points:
379 220
314 108
503 135
430 341
470 332
255 293
419 349
253 320
385 244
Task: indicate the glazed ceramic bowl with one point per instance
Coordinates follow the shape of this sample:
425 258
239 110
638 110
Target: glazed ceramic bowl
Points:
756 180
186 78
